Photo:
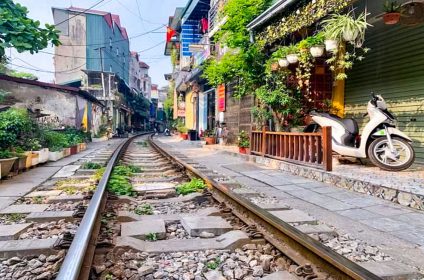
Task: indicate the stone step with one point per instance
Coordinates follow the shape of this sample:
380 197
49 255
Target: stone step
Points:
228 241
294 216
66 171
27 247
127 216
11 232
195 225
24 208
141 229
49 216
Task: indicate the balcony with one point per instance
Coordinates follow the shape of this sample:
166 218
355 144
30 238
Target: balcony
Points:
216 19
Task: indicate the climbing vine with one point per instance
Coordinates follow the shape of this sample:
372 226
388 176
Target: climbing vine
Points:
303 17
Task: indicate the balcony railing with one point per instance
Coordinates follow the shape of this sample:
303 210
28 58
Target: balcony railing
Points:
215 16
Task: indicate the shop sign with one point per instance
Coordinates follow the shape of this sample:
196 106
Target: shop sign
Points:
221 97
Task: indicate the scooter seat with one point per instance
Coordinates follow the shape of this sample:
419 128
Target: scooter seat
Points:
349 124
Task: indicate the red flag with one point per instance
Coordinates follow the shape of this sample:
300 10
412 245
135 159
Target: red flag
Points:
169 33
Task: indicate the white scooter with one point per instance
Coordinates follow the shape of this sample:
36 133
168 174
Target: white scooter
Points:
385 145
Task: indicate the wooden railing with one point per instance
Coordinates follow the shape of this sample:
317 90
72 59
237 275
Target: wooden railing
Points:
301 148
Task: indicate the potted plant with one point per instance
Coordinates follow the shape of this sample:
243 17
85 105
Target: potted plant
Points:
210 137
274 66
344 27
292 56
392 12
7 159
183 132
243 142
316 45
22 158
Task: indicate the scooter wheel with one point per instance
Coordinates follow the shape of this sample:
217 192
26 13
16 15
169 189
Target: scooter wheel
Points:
377 154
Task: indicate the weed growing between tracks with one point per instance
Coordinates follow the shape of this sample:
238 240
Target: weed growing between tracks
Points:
144 209
91 165
195 185
119 181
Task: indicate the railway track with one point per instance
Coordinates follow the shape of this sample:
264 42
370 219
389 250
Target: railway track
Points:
152 232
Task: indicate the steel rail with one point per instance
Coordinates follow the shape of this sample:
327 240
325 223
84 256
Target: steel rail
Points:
311 249
71 266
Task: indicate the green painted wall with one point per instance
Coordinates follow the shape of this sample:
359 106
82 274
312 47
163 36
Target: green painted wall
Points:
393 68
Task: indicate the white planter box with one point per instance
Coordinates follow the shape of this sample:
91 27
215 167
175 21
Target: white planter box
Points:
283 62
43 155
317 51
55 156
331 45
292 58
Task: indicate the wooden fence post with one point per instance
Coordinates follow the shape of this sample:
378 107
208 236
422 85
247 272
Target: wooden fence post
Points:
263 148
327 149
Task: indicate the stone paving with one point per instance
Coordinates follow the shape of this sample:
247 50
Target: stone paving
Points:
397 230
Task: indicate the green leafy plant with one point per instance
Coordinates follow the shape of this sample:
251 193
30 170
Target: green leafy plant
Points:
37 200
119 182
316 40
182 129
54 140
213 264
243 139
99 174
209 133
144 209
152 236
14 217
68 190
346 27
261 115
292 49
21 32
6 154
15 128
194 185
91 165
392 7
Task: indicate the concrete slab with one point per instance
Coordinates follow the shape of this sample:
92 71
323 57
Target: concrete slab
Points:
44 193
141 229
309 229
388 210
213 224
246 192
49 216
65 198
24 208
273 206
66 171
230 240
154 186
10 232
388 224
294 216
392 270
280 275
27 247
359 214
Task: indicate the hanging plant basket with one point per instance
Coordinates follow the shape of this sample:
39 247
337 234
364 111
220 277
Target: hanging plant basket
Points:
292 58
331 45
350 35
317 51
391 18
283 62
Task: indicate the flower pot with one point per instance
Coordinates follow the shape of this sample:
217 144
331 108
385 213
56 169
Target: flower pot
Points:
242 150
391 18
66 152
283 62
22 162
74 149
6 165
83 146
35 159
274 66
292 58
55 156
317 51
350 36
43 155
331 45
184 136
210 140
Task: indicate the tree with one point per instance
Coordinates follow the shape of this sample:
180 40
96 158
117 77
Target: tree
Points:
22 33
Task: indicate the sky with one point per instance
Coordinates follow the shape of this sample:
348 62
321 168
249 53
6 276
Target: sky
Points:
137 19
